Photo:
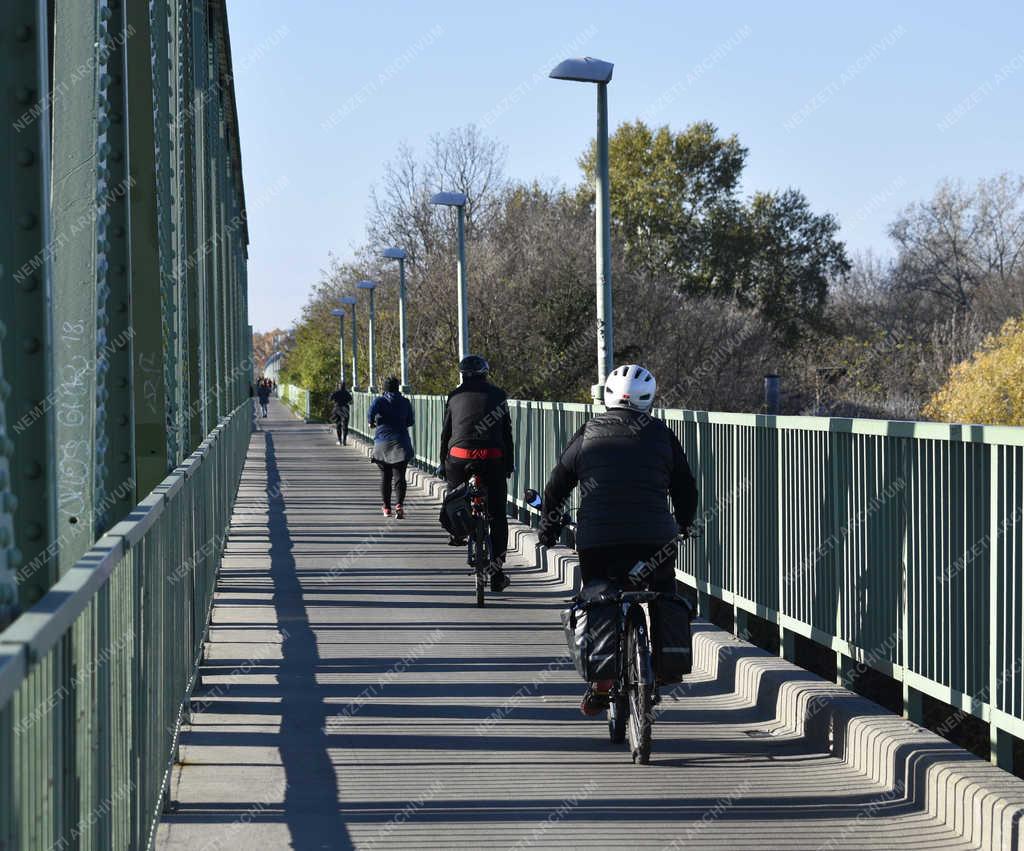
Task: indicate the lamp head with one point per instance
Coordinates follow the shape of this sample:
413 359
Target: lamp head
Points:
347 299
366 285
449 199
337 312
394 253
583 70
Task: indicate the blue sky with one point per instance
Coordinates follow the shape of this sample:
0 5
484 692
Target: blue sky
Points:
863 106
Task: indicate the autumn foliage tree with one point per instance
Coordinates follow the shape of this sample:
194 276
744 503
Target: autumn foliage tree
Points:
989 387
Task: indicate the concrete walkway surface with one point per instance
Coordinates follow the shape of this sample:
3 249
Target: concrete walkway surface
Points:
354 696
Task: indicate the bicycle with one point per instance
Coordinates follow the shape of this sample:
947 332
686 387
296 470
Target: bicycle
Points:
634 692
479 549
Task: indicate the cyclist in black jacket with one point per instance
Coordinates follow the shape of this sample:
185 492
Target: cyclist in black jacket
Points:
477 431
627 465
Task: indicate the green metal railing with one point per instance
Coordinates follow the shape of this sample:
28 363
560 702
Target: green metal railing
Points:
295 398
898 545
125 360
95 680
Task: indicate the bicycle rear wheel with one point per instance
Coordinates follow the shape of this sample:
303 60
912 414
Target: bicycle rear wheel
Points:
479 557
640 690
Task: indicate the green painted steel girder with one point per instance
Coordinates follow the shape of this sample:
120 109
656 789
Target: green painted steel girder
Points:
148 387
27 504
79 282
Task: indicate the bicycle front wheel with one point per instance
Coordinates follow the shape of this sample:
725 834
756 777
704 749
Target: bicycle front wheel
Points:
618 715
640 690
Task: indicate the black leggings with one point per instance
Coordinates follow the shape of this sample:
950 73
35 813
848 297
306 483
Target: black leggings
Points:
616 561
392 475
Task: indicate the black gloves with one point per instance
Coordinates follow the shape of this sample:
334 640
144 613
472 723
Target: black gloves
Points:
439 472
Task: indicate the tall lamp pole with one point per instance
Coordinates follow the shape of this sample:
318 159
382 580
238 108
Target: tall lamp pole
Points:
588 70
341 341
399 255
458 200
371 286
351 302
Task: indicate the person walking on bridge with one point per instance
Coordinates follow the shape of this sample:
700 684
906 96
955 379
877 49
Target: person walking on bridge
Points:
263 393
391 417
631 463
477 430
342 403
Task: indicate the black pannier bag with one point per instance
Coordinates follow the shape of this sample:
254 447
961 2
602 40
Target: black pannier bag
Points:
673 650
456 509
591 631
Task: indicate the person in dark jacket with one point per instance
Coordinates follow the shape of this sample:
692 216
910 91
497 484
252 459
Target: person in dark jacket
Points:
342 402
477 431
627 465
391 417
263 393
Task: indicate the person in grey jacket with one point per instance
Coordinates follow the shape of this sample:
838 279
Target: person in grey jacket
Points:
391 417
629 465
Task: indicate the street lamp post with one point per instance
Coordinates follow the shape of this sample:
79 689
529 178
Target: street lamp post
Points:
588 70
341 341
371 286
351 302
458 200
399 255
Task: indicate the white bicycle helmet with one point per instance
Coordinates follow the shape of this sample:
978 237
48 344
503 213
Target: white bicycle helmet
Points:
630 386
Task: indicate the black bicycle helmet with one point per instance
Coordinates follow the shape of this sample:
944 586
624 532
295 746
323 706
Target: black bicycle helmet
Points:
391 384
473 366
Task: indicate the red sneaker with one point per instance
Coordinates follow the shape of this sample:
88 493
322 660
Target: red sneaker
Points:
596 699
386 509
399 512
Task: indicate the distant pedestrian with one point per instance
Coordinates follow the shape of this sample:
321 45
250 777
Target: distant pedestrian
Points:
342 400
252 396
263 393
391 417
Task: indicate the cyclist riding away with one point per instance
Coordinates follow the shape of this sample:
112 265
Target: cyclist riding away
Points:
477 431
342 401
630 463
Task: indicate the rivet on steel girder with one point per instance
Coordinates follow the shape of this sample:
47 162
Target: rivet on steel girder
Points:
33 531
27 221
26 157
32 345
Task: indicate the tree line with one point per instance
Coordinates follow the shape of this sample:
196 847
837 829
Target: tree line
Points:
712 289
